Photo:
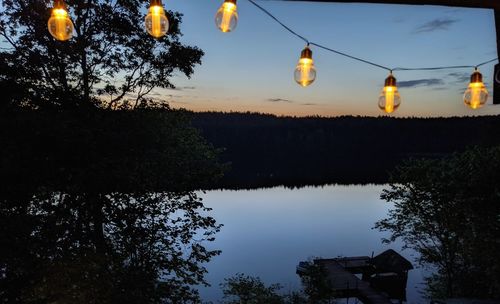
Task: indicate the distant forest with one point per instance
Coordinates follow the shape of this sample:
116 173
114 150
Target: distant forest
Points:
265 150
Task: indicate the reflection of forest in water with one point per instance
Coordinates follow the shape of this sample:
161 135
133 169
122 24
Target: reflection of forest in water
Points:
267 232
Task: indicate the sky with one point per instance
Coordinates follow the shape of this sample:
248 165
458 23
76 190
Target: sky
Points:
251 68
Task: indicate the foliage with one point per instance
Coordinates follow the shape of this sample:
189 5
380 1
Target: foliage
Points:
101 208
266 150
250 290
110 62
98 206
316 286
449 212
104 151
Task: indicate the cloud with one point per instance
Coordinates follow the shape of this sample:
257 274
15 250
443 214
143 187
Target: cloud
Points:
173 96
182 88
279 100
435 25
459 77
174 89
440 89
420 83
309 104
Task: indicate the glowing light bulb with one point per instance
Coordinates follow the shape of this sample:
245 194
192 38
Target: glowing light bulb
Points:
476 94
59 24
305 72
389 99
226 17
156 20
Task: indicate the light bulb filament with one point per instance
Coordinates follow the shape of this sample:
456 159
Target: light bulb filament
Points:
228 10
305 68
475 102
389 99
60 13
60 16
156 14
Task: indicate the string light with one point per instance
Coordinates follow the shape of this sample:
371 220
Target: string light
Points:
305 72
61 28
59 24
156 20
226 17
389 99
476 94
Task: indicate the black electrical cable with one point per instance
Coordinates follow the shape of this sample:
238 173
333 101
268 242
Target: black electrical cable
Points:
436 68
281 23
445 67
364 60
349 56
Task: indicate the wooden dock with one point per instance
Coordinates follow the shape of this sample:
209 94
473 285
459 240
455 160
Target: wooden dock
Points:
372 280
348 285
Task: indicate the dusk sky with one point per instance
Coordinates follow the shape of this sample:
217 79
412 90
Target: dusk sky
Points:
251 69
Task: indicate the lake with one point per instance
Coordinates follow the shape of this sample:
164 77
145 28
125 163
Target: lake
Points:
268 231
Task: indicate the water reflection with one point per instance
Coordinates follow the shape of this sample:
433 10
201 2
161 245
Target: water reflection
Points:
268 231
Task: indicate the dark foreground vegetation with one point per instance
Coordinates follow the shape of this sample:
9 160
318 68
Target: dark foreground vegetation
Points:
448 210
245 289
265 150
97 179
100 207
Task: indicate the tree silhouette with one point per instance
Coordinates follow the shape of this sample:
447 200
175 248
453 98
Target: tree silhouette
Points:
103 209
98 203
447 210
246 289
111 61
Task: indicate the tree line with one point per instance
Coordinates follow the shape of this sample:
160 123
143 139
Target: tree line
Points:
266 150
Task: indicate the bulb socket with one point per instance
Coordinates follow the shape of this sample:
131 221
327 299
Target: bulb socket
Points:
58 4
306 53
390 81
155 3
231 1
476 77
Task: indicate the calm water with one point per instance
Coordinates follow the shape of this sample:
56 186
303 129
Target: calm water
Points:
268 231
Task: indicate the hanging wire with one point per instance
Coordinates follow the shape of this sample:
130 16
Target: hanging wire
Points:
436 68
486 62
308 42
281 23
445 67
349 56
